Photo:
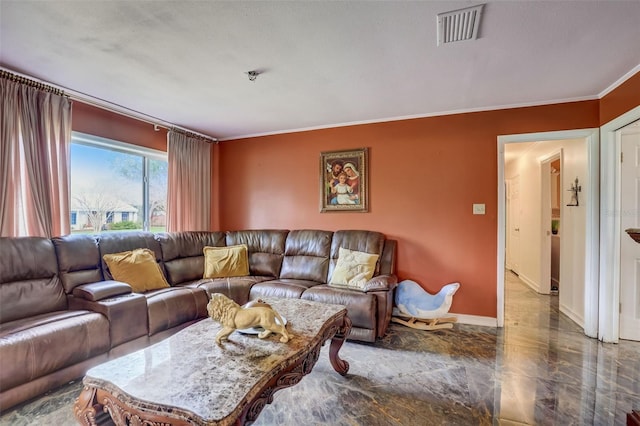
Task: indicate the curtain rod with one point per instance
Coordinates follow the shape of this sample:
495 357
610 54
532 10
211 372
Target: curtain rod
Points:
31 83
190 134
100 103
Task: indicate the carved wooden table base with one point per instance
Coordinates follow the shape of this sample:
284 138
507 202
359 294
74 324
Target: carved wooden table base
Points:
102 395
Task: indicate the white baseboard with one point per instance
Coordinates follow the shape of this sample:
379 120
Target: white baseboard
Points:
571 314
534 285
475 320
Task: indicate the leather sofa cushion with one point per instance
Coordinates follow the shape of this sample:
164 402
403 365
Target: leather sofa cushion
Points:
49 343
306 255
188 244
286 288
169 307
388 258
266 249
29 282
78 259
101 290
361 307
182 253
235 288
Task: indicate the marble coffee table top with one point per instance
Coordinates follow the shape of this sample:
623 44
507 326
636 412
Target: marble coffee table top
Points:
190 375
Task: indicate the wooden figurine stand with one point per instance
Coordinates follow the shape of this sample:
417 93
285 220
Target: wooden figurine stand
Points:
423 323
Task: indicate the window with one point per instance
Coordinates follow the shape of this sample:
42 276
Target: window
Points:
116 186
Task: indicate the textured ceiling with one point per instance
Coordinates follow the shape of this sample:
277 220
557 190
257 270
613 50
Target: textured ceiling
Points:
323 63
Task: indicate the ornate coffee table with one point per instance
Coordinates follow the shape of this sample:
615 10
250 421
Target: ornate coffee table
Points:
188 379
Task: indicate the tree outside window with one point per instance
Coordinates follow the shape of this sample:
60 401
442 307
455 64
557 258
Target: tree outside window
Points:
116 186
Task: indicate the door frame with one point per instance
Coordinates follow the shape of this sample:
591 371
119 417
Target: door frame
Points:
591 237
545 216
609 315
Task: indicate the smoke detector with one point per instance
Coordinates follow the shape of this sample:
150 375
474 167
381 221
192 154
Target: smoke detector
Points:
459 25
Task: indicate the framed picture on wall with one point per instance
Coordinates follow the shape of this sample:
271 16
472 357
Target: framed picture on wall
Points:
344 180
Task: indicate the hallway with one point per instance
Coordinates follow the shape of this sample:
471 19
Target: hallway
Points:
550 367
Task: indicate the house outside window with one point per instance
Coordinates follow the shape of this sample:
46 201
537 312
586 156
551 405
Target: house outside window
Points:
116 186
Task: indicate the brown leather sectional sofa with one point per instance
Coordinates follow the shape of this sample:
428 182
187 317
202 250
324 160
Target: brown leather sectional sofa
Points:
61 312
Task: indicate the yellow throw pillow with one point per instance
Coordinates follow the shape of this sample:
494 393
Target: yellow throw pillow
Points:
222 262
353 269
138 268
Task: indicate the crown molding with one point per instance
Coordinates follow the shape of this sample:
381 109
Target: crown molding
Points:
619 81
413 117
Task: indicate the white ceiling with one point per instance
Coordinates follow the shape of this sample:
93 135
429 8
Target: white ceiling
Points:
324 63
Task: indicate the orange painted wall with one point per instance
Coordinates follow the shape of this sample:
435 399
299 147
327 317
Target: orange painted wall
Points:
624 98
99 122
425 174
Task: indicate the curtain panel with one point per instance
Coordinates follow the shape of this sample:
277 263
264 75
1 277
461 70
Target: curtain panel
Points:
35 126
189 186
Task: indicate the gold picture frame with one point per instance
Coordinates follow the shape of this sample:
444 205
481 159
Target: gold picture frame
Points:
344 182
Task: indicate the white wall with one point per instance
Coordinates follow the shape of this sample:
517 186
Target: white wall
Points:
572 225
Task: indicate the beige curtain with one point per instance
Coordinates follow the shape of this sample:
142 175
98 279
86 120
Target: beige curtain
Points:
34 156
189 187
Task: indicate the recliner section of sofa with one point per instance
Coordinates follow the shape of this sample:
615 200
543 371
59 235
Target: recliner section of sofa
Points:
61 309
43 343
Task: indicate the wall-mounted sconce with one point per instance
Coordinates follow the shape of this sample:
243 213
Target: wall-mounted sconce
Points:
575 188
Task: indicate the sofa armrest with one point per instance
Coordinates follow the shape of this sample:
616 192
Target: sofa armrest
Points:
94 292
381 283
127 315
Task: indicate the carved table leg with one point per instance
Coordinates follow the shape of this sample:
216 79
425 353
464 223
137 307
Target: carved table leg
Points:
86 407
340 365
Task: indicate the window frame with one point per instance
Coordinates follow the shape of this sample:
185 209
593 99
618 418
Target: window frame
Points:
125 148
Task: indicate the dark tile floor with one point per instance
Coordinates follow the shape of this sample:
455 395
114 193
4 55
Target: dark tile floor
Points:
539 369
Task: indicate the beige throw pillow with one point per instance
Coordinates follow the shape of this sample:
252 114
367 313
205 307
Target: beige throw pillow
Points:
222 262
353 269
138 268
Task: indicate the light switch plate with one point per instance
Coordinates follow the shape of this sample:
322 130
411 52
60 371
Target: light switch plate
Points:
478 209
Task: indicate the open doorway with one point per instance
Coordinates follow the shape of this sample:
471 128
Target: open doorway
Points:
541 254
578 224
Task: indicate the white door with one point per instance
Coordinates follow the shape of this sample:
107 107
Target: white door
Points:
513 224
630 218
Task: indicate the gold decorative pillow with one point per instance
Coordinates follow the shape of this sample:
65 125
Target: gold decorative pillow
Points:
138 268
222 262
353 269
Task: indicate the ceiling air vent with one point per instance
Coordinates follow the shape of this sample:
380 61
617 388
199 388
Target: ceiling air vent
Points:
459 25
